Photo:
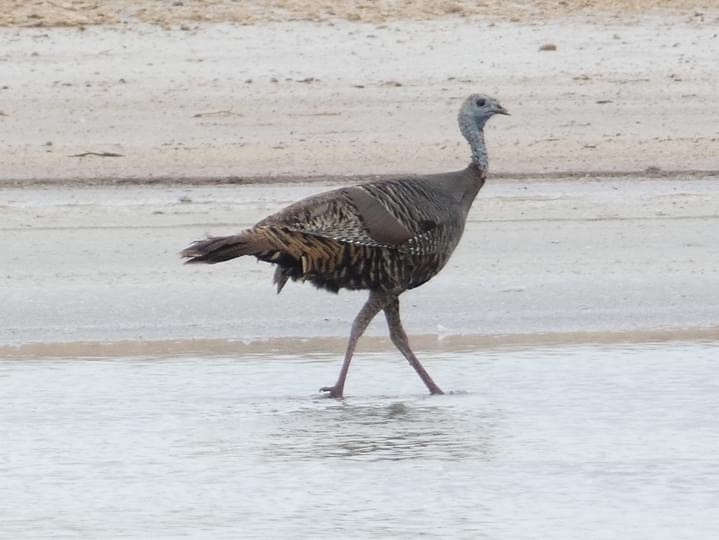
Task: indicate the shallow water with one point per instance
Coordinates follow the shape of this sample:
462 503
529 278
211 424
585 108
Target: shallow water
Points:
563 442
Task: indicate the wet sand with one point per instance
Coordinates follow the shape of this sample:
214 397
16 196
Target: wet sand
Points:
601 258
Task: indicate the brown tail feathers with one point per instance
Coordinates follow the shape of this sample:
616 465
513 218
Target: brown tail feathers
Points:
219 248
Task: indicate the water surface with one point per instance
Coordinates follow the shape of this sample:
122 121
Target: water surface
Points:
598 441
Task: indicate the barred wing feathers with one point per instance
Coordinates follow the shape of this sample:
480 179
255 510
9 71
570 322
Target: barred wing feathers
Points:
397 214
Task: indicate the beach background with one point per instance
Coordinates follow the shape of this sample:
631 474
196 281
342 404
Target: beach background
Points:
576 326
132 128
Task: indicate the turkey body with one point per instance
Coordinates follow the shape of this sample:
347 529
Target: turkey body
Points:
391 235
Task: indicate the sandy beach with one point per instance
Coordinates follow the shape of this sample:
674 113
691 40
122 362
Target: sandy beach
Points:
227 100
124 139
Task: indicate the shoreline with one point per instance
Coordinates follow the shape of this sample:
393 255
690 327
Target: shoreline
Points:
232 180
421 343
101 265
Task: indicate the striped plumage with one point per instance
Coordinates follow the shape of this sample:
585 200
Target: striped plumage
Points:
387 236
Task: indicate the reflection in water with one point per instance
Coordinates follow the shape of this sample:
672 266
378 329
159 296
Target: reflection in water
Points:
383 430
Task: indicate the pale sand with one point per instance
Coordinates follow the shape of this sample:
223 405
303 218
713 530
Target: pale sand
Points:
345 98
49 13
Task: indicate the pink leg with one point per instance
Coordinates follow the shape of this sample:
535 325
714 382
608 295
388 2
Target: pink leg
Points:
399 338
376 301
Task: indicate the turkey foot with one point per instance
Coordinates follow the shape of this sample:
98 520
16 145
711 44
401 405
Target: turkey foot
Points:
332 392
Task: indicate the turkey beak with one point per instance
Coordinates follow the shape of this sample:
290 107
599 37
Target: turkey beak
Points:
501 110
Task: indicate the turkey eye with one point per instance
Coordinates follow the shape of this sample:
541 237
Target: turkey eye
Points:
480 103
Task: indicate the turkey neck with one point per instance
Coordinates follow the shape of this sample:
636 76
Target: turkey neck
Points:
473 131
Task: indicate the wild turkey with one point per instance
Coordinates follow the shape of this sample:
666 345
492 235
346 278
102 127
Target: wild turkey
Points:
387 236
